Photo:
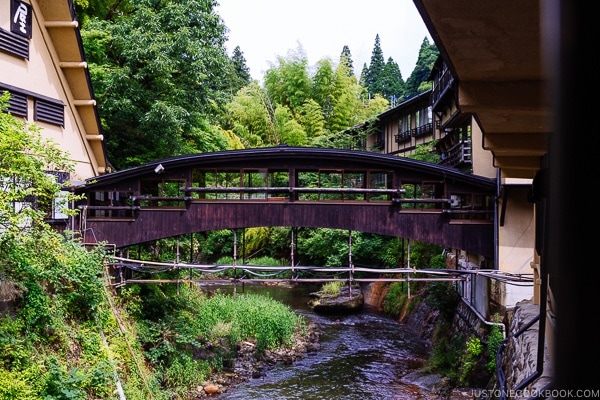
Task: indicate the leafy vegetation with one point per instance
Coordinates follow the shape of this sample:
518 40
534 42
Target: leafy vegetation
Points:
468 361
54 284
494 341
163 80
65 335
187 335
395 299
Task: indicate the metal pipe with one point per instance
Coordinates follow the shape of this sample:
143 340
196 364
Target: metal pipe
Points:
496 224
482 319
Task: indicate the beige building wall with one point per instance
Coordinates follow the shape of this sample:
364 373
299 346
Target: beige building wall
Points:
516 237
515 228
42 76
483 160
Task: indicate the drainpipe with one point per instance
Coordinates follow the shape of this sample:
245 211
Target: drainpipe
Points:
496 222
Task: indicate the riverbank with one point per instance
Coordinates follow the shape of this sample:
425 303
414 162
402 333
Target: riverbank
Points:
421 319
248 365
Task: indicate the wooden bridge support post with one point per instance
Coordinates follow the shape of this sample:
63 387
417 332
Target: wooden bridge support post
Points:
177 265
234 262
191 256
292 250
351 272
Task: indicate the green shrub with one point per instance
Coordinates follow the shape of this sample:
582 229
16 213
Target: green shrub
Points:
196 323
184 373
446 351
469 359
493 343
35 311
13 385
443 297
251 316
394 299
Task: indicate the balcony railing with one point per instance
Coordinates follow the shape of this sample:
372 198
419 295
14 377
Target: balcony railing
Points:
422 130
460 153
403 137
442 85
379 144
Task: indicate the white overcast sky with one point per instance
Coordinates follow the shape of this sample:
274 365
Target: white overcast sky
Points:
267 29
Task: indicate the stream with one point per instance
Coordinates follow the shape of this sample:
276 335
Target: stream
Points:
362 356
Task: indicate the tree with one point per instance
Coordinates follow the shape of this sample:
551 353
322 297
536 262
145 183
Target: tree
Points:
101 9
425 152
34 257
392 83
28 186
250 115
428 53
363 76
375 71
297 108
290 130
346 101
312 119
346 58
162 90
322 86
241 69
289 83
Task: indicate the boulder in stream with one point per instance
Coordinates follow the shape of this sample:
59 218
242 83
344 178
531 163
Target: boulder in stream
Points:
349 299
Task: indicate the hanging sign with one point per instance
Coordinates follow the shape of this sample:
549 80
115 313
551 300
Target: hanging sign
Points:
20 18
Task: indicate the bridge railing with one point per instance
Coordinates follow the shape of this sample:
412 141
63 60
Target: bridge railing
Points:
295 193
128 206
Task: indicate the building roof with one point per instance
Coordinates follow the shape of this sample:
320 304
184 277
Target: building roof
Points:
61 24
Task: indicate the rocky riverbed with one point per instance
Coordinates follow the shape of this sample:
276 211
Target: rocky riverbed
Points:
248 365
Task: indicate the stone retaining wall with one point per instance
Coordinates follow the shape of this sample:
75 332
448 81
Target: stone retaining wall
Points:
519 357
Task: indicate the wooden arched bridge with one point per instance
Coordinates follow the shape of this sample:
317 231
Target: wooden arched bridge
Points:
293 187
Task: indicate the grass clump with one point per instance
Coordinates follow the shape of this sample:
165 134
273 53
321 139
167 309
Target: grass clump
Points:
332 288
187 336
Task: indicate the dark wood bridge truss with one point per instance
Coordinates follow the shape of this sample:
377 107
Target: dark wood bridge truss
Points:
293 187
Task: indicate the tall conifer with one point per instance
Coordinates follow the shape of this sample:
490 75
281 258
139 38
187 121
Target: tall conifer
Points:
346 58
375 71
239 64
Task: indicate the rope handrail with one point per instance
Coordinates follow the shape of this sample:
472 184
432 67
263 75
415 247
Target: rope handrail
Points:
155 267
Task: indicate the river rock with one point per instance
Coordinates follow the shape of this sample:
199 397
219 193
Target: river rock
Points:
349 299
211 389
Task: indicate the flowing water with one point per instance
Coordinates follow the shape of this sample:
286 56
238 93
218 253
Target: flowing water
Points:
362 356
